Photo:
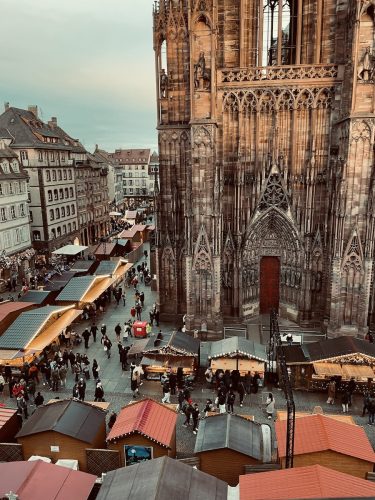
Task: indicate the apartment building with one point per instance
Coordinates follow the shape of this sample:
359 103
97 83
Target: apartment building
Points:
114 179
16 254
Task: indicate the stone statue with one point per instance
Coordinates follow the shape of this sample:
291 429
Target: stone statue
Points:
366 66
163 83
202 75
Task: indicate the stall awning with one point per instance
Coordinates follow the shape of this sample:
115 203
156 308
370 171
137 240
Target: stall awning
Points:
244 365
358 371
96 291
70 250
53 331
167 361
331 369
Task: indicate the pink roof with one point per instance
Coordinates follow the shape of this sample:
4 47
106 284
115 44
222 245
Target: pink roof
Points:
36 480
139 227
5 415
10 307
146 417
313 481
315 433
127 233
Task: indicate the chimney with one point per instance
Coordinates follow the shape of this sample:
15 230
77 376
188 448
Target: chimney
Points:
34 110
6 106
53 122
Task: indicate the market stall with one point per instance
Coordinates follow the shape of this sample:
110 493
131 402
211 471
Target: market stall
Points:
312 366
170 351
237 353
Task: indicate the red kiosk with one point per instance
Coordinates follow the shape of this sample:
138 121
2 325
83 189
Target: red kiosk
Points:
140 329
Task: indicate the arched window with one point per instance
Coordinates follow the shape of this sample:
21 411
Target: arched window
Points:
58 231
55 194
68 210
66 193
278 33
73 210
71 191
57 213
69 228
61 191
51 214
64 229
62 212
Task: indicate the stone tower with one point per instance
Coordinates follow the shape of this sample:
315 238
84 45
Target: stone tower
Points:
266 141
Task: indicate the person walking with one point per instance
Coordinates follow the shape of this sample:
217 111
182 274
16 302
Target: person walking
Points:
371 411
125 334
99 392
166 393
86 335
103 330
142 299
55 378
81 386
221 399
134 385
156 316
241 392
173 383
107 344
124 298
331 392
195 416
95 369
270 408
124 358
22 406
366 400
231 397
345 398
188 412
94 331
118 330
351 389
62 374
138 309
72 360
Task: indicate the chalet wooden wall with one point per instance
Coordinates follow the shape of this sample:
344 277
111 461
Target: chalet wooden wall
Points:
40 444
137 439
260 160
225 464
332 460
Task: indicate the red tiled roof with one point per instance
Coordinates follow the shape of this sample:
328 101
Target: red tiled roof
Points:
314 481
146 417
10 307
131 156
36 480
315 433
5 415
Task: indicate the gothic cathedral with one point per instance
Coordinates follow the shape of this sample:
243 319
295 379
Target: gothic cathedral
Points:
267 179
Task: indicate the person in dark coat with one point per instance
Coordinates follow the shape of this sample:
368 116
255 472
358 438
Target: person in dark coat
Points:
94 331
241 392
231 397
112 420
188 412
81 386
86 335
134 386
95 369
99 392
173 383
195 415
39 400
351 389
124 358
103 330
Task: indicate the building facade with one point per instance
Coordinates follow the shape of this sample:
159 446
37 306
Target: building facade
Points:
114 179
44 151
15 243
92 197
138 184
266 142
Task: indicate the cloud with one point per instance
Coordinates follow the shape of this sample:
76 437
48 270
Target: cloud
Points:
88 62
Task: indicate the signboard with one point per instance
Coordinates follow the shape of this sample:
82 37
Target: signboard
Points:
137 454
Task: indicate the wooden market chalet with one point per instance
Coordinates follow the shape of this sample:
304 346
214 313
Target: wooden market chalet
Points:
312 366
170 351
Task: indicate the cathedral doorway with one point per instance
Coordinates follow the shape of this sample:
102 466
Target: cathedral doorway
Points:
269 295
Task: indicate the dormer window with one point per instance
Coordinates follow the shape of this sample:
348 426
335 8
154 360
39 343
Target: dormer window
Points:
5 167
24 155
15 167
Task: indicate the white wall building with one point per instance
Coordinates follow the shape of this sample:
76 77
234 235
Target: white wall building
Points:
15 241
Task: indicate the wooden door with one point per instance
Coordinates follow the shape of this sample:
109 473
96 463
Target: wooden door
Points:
269 284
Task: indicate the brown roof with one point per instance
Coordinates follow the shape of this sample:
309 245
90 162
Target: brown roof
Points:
315 433
69 417
105 248
304 482
146 417
36 480
11 307
131 156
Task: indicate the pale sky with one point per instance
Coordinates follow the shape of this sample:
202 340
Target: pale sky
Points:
90 63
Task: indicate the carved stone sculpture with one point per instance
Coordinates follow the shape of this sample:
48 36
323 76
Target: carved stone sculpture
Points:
163 84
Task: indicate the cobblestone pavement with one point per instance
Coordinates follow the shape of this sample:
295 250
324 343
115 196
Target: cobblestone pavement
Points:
116 383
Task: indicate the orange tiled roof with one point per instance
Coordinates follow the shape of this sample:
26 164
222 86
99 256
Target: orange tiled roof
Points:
314 481
315 433
146 417
5 415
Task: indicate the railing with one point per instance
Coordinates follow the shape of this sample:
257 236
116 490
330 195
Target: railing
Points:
305 72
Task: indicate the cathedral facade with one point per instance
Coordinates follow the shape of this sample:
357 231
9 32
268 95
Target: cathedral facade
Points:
266 141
